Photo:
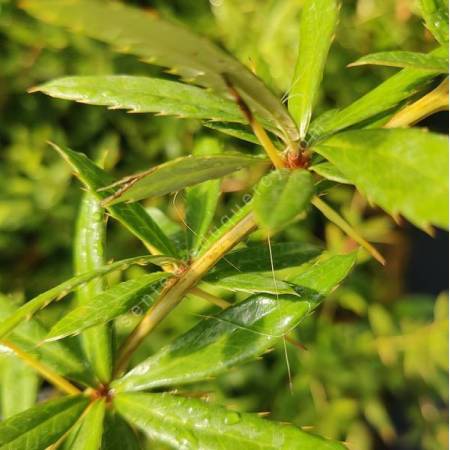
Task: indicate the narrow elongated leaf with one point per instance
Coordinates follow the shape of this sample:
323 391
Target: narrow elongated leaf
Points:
317 26
435 13
42 425
18 386
201 200
281 196
109 304
58 292
118 435
238 334
132 216
88 434
402 170
142 94
192 424
380 100
89 255
175 175
63 357
160 42
328 171
232 129
413 60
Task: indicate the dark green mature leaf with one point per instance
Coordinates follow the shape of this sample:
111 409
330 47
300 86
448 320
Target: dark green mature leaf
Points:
142 94
238 334
42 425
281 196
402 170
413 60
58 292
88 434
18 386
157 41
317 26
380 100
175 175
435 13
62 357
90 237
118 435
201 200
132 216
111 303
196 425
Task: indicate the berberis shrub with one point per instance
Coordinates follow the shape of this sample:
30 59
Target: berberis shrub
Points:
294 159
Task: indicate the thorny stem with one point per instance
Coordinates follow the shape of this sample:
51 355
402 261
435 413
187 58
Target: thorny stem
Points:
177 288
57 380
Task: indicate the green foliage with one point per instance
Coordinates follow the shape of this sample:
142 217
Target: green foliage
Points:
236 232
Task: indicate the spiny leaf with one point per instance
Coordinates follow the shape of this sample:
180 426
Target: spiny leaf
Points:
106 306
89 243
160 42
435 13
317 26
238 334
41 301
196 425
143 95
175 175
42 425
132 216
404 170
424 61
281 196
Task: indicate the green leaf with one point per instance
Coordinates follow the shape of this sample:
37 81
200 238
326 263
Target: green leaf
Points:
157 41
18 386
143 95
281 196
118 435
58 292
88 434
132 216
201 200
236 130
328 171
238 334
413 60
193 424
175 175
402 170
108 305
318 23
42 425
435 13
380 100
89 246
63 357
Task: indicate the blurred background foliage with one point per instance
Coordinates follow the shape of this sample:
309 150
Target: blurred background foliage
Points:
372 366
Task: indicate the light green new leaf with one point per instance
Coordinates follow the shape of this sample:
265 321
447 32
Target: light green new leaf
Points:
192 424
63 357
402 170
132 216
27 310
328 171
117 434
233 129
143 95
238 334
317 26
160 42
388 95
175 175
435 13
42 425
281 196
18 386
90 237
108 305
87 435
425 61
